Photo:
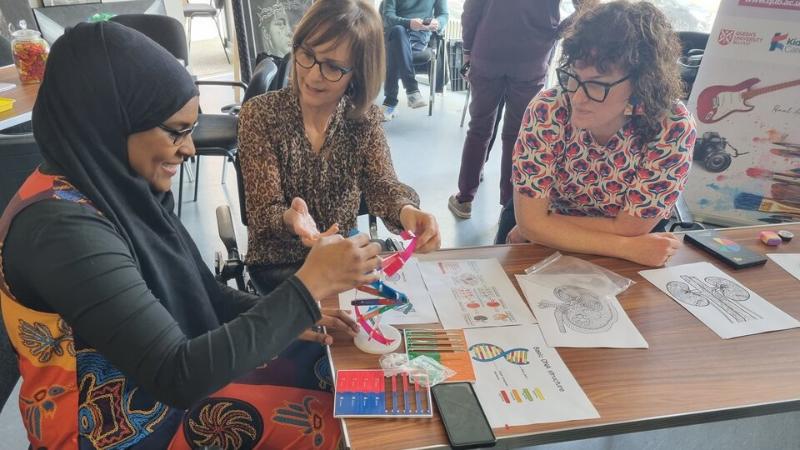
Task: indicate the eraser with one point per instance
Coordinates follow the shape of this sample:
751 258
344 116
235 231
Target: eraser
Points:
770 237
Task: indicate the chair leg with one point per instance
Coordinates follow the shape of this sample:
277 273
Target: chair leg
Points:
189 41
196 176
180 189
225 166
221 40
466 105
432 79
188 171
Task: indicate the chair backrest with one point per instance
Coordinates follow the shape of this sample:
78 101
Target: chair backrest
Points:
283 77
692 40
263 76
19 156
165 30
9 369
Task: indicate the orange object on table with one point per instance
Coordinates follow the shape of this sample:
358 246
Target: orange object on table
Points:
30 55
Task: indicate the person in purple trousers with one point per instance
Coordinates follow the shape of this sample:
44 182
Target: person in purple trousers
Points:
507 44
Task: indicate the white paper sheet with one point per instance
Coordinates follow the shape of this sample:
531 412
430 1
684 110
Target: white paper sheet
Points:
474 293
577 312
521 381
407 280
722 303
789 261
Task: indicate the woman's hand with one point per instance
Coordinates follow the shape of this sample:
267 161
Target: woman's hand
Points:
336 264
299 221
515 236
424 226
652 249
331 319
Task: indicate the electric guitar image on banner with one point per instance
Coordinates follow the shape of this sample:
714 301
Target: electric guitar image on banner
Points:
717 102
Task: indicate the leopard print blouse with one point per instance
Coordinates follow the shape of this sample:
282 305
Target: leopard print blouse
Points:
278 164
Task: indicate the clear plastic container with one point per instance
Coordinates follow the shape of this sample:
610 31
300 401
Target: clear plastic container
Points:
30 53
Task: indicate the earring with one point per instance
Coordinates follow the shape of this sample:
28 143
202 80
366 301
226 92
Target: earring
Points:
634 107
350 90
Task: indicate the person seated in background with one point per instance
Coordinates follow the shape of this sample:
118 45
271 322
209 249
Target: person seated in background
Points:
124 337
600 160
309 151
408 25
507 47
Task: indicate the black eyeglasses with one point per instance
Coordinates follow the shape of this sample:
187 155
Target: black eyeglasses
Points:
595 90
178 135
305 58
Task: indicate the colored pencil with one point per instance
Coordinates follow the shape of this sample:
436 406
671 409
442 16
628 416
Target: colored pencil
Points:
405 393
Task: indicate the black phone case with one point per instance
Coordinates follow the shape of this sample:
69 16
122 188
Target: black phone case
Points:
738 259
450 437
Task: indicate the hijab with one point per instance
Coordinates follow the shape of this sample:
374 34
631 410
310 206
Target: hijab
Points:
103 82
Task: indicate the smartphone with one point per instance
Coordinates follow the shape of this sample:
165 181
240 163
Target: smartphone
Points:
726 250
462 415
427 21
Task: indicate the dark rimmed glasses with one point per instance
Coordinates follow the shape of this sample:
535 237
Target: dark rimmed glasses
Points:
306 59
178 136
595 90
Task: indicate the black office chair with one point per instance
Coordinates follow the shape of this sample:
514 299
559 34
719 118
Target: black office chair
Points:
216 134
681 218
19 156
212 10
427 61
164 30
693 45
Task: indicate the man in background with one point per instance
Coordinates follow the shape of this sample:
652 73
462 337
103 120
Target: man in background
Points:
507 44
408 25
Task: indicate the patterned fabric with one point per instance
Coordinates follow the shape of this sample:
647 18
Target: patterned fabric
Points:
72 397
278 164
554 160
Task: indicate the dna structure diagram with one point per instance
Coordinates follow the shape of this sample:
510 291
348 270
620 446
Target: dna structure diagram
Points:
485 352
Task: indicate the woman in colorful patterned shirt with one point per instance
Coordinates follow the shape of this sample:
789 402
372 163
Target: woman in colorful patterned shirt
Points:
310 151
602 159
123 336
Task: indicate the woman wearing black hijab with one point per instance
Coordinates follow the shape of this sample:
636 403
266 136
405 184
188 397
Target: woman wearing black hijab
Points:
124 337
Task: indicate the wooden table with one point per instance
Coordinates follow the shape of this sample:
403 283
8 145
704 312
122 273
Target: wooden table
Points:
24 94
687 376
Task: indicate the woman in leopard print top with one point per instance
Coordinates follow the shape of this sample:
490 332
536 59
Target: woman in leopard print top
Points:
309 151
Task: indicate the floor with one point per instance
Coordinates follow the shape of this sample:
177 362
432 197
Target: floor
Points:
426 153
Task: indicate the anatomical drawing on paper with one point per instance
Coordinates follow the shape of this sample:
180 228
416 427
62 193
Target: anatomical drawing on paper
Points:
581 310
721 302
722 294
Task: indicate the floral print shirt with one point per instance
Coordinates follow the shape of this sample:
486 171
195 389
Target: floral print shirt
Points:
554 160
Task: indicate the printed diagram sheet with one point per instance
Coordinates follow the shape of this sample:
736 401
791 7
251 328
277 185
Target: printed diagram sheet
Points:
522 381
789 261
474 293
728 308
407 280
579 312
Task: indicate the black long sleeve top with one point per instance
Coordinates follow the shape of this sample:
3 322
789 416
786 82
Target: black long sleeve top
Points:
62 257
